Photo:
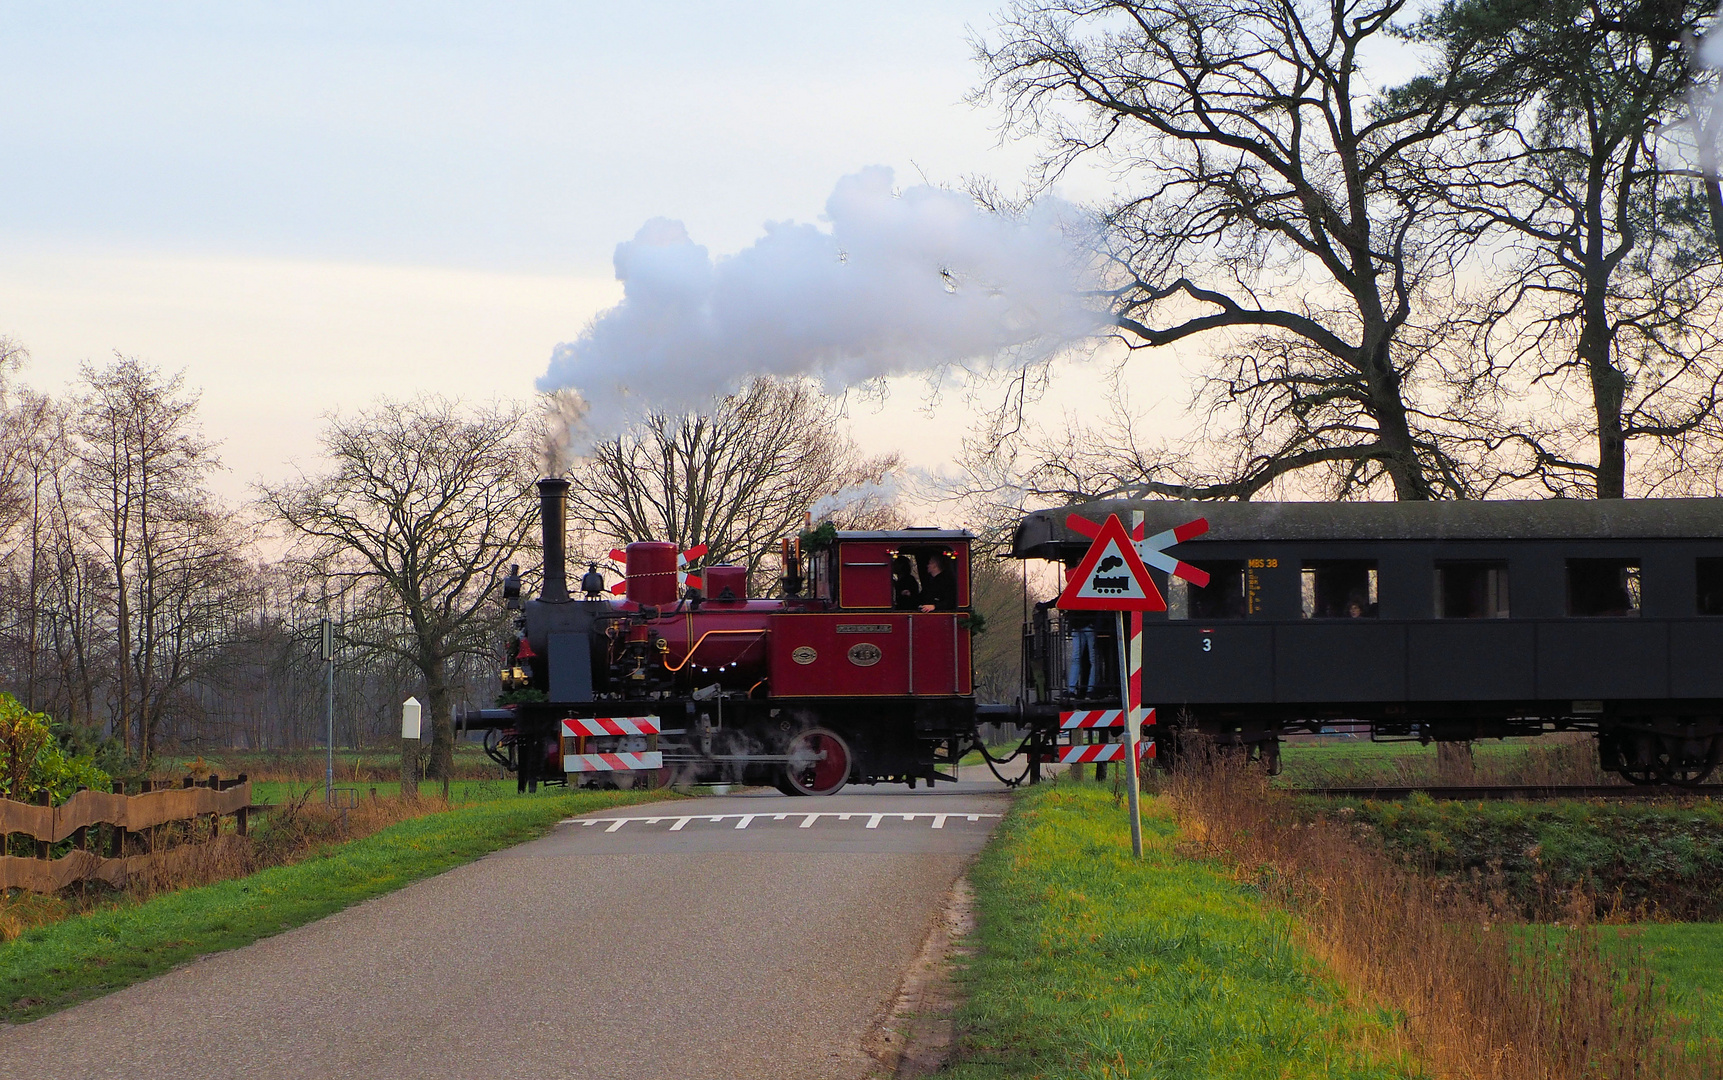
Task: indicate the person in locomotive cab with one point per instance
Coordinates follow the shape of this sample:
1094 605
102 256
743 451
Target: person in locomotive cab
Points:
905 590
938 585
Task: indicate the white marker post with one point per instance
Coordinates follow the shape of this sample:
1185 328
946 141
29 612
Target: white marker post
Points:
410 734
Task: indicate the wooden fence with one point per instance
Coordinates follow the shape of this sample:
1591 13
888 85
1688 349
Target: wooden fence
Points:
128 821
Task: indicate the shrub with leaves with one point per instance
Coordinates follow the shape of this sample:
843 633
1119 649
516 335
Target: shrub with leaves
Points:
32 761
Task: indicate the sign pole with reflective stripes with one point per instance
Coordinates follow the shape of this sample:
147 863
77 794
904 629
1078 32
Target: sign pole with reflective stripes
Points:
1132 731
1133 702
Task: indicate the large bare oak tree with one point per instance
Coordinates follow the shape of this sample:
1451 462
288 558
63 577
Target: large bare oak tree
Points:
1265 210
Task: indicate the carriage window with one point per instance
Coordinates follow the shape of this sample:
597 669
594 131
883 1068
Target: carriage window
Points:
1339 589
1221 598
1710 587
1471 590
1602 587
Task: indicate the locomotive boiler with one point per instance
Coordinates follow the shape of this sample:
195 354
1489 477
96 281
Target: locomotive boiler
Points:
826 684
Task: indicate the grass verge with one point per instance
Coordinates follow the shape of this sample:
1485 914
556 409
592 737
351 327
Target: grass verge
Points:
1092 964
49 968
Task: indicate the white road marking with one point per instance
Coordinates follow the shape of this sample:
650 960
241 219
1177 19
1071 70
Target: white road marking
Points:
936 820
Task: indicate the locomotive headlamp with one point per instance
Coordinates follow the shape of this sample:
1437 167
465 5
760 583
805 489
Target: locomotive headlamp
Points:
592 582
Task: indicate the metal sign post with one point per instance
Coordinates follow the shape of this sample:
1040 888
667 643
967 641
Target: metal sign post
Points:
328 629
1133 732
1112 577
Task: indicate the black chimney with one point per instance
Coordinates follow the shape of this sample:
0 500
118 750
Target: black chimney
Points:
552 511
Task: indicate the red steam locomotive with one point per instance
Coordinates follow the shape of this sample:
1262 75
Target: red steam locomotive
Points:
828 684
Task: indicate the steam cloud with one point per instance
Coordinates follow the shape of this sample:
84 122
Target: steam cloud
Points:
899 283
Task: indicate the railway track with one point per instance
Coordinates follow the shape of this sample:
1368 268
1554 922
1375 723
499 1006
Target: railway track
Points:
1520 791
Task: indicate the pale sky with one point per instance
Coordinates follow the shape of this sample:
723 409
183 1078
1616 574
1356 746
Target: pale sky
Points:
307 205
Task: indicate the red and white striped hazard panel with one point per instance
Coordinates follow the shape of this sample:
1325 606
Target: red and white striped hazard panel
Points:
1101 751
1107 751
649 759
1092 718
1098 718
611 725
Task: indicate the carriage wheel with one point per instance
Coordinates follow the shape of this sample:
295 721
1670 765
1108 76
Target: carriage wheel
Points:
819 762
1691 760
1688 773
1644 759
1631 757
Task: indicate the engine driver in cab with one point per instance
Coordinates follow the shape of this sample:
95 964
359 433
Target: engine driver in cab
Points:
938 586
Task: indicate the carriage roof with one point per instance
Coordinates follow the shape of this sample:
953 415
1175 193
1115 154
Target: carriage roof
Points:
1044 534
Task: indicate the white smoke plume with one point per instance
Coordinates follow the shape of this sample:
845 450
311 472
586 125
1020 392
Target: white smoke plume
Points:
897 282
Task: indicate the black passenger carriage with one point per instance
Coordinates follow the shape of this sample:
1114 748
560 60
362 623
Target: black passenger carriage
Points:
1438 621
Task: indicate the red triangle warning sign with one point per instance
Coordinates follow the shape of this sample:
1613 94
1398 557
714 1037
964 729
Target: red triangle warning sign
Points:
1111 577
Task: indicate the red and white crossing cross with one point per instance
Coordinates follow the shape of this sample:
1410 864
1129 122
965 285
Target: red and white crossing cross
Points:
684 580
1153 550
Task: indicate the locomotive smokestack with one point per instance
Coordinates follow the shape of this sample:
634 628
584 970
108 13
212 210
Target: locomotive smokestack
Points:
553 515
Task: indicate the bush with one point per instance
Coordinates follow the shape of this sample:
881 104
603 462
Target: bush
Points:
32 759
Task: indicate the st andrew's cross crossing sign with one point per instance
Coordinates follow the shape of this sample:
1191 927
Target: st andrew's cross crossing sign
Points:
1111 576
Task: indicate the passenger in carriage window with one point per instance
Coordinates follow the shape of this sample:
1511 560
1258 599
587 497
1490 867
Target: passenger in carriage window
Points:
938 585
905 590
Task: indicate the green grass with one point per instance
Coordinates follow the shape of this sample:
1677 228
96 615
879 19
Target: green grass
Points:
1688 958
280 791
52 967
1090 964
1335 761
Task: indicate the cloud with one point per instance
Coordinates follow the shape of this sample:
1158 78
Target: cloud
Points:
896 282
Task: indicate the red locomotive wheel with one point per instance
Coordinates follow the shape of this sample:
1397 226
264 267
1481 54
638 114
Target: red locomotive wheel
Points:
819 762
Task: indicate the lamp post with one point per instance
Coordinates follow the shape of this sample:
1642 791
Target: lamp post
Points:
328 628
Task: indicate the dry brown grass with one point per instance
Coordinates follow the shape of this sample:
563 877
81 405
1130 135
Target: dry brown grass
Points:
294 830
1483 999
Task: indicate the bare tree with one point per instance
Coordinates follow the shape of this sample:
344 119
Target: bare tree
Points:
1268 210
142 466
1608 276
425 505
735 477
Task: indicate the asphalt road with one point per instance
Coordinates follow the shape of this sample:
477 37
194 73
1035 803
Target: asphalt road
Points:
764 943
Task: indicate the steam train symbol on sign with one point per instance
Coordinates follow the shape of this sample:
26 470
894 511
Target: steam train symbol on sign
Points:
1118 584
